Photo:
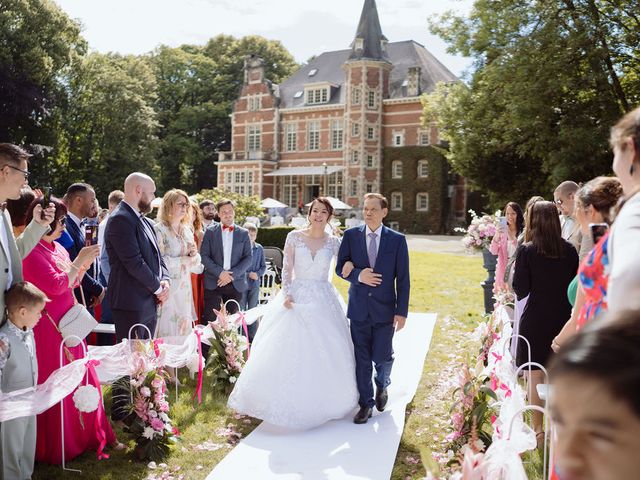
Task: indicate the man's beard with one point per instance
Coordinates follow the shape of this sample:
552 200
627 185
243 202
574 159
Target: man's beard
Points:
209 216
144 206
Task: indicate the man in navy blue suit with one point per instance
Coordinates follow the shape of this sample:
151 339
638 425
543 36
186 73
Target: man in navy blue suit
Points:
378 299
226 256
80 200
139 279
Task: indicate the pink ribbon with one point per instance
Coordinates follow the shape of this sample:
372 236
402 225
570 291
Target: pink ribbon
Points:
156 346
198 391
99 417
246 331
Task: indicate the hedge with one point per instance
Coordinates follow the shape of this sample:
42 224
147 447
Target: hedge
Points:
273 236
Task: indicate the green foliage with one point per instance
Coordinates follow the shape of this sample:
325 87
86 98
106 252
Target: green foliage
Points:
246 206
38 41
550 79
273 236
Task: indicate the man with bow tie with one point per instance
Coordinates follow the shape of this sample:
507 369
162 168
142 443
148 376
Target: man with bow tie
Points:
226 255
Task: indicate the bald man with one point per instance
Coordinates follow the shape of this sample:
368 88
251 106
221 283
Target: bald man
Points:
139 279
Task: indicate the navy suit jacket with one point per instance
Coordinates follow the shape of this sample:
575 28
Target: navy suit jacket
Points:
90 285
376 304
133 257
212 255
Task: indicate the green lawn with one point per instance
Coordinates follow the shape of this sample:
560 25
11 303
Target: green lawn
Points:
445 284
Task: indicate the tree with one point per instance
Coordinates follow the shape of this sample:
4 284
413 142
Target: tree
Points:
109 123
549 80
38 41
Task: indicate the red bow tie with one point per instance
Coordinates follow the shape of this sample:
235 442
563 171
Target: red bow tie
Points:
227 227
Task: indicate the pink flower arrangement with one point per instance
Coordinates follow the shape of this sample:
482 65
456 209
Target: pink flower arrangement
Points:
480 231
228 349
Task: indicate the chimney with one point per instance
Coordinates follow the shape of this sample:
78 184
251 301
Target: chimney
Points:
253 69
413 82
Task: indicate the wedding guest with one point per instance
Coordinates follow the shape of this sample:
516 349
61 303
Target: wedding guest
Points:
257 268
18 370
80 201
180 255
13 178
197 279
138 279
545 264
594 203
18 210
50 268
505 243
209 213
564 198
623 291
106 316
595 404
226 255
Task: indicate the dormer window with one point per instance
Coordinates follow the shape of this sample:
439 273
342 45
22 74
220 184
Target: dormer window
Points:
383 44
313 72
359 43
317 93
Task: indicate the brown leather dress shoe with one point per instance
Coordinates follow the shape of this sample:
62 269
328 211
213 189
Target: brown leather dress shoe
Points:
381 399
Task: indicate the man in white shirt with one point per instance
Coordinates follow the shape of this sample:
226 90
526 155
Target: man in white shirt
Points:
564 198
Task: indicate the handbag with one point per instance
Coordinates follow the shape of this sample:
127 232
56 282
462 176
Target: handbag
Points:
76 321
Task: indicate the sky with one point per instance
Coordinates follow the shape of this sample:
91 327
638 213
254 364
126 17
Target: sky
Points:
304 27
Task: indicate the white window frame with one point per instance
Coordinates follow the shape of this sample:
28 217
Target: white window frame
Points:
254 139
423 169
396 169
353 188
371 160
369 188
398 139
255 103
291 137
424 138
355 129
371 99
356 95
396 201
317 96
290 190
419 197
337 134
371 133
334 185
355 157
313 136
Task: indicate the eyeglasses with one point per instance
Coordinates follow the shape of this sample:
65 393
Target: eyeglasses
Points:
24 172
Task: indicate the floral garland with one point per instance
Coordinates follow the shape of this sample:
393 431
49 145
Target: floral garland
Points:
227 356
480 231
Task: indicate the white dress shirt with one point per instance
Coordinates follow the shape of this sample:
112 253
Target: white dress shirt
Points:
75 219
5 246
227 245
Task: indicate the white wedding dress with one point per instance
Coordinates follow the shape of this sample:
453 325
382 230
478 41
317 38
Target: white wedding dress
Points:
301 370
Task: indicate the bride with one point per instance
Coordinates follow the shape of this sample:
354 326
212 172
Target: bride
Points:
301 371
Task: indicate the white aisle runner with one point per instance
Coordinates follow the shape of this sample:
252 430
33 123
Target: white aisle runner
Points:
339 449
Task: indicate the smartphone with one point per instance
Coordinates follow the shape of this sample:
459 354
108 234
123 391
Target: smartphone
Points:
90 235
46 197
503 222
597 231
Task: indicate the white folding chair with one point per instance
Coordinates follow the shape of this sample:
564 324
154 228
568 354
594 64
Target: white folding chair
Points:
268 286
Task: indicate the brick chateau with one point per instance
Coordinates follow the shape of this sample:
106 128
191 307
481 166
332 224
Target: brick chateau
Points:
347 123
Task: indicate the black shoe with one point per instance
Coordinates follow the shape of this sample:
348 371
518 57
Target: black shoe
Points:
381 398
363 415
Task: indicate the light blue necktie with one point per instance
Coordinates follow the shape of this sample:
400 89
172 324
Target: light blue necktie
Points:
372 251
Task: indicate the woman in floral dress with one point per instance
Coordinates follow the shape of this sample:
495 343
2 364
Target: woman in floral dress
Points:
179 251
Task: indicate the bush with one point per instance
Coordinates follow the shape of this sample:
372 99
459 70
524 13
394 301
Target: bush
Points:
246 206
273 236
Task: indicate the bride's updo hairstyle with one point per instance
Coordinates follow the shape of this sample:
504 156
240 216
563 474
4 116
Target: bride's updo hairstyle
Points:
325 202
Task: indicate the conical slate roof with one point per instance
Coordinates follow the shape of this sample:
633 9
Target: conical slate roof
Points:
370 34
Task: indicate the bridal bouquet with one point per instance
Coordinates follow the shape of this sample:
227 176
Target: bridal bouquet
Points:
226 358
480 232
151 428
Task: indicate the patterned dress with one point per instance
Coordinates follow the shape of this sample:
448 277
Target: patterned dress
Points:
593 275
177 314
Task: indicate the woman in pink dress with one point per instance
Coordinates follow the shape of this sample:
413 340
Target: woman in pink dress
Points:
505 244
49 268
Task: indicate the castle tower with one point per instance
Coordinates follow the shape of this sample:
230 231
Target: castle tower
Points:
367 85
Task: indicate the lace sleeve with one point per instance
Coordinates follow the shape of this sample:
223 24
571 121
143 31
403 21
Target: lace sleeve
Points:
288 262
335 244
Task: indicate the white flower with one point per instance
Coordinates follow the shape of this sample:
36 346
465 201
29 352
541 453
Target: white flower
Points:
152 465
149 433
145 392
153 413
194 363
87 398
232 379
164 417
